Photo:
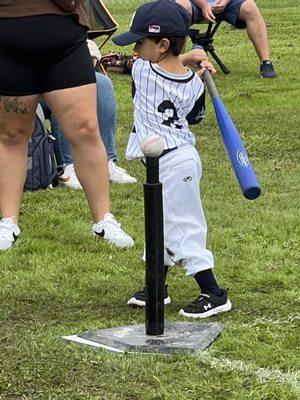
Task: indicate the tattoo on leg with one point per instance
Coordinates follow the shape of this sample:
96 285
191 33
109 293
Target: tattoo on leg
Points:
13 104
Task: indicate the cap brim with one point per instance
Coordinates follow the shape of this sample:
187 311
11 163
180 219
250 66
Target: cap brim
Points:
127 38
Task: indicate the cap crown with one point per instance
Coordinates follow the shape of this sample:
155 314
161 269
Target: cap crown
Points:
162 17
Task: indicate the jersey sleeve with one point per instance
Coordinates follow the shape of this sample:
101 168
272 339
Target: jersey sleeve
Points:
196 115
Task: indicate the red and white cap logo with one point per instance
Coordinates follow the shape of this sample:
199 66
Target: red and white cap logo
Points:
154 29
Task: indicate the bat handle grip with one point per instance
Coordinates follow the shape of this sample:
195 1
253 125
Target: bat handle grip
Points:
210 84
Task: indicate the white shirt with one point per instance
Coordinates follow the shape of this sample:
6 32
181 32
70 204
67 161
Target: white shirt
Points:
165 104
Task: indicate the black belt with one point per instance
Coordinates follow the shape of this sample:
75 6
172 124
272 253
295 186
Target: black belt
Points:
167 151
162 154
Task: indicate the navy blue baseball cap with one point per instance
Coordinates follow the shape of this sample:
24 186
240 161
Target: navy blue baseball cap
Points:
157 18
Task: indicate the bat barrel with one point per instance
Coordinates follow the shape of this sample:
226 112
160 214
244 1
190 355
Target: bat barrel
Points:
252 192
155 277
234 146
237 153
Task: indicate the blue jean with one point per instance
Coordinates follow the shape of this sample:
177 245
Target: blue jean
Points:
107 112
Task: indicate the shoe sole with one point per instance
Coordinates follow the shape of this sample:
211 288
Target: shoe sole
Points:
140 303
120 246
11 244
65 185
224 308
8 247
122 182
269 77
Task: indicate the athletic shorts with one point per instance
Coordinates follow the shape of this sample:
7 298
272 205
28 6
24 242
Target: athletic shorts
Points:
42 53
230 14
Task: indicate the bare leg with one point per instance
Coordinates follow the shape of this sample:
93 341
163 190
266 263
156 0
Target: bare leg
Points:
16 126
256 28
75 110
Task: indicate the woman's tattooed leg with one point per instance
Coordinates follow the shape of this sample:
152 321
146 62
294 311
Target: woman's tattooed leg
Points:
13 104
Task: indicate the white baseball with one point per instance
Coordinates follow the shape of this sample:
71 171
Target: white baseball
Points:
152 146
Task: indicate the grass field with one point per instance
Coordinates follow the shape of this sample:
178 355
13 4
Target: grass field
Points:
57 280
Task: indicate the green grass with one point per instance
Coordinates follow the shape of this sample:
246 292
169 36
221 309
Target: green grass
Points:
57 280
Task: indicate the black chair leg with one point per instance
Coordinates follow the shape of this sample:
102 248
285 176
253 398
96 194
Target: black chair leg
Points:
223 67
206 41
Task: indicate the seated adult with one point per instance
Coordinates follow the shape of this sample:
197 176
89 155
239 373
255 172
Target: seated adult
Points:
241 14
106 110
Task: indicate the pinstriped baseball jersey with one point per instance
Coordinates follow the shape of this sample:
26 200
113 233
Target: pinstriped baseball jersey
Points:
165 105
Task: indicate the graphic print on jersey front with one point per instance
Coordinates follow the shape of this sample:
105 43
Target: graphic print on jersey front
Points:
165 104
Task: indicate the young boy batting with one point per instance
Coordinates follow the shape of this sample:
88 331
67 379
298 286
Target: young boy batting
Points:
168 97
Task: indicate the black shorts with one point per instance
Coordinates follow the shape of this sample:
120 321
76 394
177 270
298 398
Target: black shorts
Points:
42 53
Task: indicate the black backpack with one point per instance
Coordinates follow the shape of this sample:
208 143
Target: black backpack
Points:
41 166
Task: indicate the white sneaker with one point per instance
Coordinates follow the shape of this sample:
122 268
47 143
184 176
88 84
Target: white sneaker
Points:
69 178
118 174
110 230
9 233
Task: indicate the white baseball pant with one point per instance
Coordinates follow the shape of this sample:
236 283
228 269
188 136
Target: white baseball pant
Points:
185 226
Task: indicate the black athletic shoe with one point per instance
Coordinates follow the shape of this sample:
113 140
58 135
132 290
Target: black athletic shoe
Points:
139 298
267 70
206 305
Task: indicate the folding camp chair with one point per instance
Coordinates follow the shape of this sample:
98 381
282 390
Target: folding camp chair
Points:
102 24
100 20
205 39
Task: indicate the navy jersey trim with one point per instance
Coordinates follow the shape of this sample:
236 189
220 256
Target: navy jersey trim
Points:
172 79
196 115
133 89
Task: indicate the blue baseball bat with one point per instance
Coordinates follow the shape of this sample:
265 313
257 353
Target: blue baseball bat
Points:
233 143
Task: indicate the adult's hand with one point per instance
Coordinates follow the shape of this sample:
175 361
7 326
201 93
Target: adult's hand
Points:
207 12
219 6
